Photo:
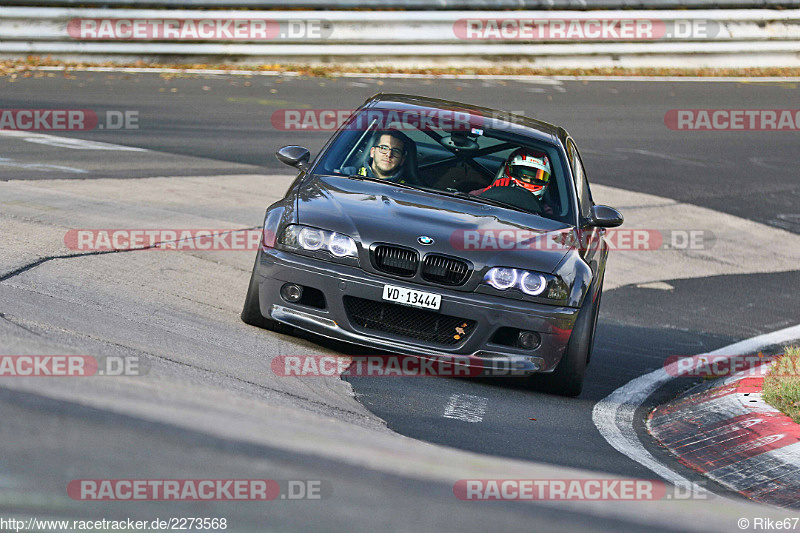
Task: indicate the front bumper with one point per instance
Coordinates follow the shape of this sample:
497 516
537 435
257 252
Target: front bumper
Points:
554 324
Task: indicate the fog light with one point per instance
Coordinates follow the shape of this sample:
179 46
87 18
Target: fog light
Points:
291 292
528 340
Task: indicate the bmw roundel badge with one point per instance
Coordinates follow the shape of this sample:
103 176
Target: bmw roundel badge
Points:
424 239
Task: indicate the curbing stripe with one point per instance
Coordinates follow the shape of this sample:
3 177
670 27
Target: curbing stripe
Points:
613 416
735 438
750 473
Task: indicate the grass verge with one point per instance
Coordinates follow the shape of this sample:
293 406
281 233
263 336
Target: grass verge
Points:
782 384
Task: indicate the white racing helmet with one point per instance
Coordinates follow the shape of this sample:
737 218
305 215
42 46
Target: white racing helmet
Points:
529 169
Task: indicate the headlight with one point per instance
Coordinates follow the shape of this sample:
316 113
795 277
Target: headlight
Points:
532 283
502 278
313 239
527 281
341 245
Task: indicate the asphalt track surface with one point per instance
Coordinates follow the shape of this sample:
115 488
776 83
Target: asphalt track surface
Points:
619 127
221 125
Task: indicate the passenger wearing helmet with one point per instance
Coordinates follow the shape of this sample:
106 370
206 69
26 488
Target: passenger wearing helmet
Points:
525 168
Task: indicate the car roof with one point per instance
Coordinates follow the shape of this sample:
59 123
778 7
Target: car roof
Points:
531 127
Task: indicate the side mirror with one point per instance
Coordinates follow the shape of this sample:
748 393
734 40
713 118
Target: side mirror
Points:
603 216
294 156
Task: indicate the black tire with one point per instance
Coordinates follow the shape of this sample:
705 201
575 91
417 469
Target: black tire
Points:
251 312
594 323
567 378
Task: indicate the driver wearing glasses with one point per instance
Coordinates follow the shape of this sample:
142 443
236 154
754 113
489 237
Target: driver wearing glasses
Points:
387 156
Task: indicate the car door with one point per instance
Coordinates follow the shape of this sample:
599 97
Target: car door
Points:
593 247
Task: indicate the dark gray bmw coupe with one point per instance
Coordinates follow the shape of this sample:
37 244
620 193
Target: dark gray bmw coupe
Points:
441 230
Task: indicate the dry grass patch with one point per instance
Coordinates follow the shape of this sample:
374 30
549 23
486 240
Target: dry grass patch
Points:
782 384
29 67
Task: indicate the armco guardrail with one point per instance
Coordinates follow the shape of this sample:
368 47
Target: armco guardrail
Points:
700 38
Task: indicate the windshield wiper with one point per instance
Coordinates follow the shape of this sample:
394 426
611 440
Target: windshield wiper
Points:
385 182
483 200
454 194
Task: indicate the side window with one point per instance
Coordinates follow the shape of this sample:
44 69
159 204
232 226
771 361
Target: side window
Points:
581 183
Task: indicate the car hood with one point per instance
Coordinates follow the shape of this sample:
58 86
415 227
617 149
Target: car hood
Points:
373 212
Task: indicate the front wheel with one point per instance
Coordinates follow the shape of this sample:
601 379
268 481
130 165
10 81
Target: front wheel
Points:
251 312
567 378
594 323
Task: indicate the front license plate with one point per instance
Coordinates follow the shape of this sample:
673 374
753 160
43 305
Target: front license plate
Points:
425 300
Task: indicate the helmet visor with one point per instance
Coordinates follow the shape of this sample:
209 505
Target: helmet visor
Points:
530 174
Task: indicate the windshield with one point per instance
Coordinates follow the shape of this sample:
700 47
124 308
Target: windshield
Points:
455 154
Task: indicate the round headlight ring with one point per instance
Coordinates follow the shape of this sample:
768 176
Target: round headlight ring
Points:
341 245
532 283
503 278
311 239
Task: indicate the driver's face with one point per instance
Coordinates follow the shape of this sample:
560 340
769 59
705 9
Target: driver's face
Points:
387 164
